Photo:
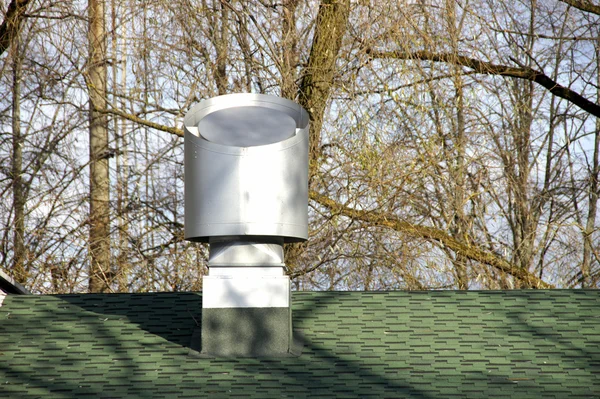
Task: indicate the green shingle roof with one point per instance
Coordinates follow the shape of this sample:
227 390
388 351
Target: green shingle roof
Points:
437 344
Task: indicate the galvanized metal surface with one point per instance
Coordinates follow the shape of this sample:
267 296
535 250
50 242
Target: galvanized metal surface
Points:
256 188
235 252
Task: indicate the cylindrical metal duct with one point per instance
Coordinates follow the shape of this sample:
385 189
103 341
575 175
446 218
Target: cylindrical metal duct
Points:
246 169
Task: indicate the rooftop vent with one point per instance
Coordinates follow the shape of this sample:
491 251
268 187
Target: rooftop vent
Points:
246 193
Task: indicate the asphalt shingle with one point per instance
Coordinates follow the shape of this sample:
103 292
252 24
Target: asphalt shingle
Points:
435 344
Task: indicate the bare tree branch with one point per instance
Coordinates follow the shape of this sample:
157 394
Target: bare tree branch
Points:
583 5
489 68
14 13
144 122
432 234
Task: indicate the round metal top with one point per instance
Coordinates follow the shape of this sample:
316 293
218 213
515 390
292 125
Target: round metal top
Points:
247 126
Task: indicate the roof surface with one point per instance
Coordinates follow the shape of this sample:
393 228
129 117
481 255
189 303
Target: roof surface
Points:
436 344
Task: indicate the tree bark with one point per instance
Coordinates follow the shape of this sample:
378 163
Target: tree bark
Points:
219 36
19 270
317 77
99 243
584 5
289 50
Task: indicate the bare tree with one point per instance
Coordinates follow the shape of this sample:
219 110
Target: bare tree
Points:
99 242
453 144
19 252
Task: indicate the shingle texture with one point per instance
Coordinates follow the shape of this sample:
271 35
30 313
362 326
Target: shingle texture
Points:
440 344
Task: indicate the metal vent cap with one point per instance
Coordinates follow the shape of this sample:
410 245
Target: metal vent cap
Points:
246 168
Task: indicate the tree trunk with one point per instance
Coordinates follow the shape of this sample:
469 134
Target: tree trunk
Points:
219 36
318 75
590 224
19 256
526 215
317 80
289 50
121 160
459 224
99 179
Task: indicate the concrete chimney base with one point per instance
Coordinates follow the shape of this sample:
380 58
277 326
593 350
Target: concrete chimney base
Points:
246 316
